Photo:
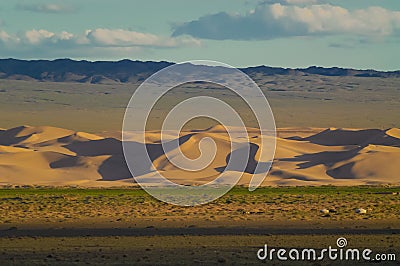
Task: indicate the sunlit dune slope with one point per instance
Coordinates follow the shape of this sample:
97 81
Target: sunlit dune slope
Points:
304 156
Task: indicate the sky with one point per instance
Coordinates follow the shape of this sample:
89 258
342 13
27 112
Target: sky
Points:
361 34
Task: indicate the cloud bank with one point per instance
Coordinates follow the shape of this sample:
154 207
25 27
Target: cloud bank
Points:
46 8
36 43
288 19
290 2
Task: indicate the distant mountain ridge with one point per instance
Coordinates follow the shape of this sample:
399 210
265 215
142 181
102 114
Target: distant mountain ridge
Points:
127 71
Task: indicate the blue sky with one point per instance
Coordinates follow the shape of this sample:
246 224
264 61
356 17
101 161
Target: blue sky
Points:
286 33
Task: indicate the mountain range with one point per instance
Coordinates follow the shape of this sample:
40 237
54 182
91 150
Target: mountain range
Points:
127 71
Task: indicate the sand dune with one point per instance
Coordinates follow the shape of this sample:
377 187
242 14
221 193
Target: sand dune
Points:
304 156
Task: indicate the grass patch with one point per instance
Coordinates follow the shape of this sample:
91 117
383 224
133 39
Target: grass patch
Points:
318 190
53 205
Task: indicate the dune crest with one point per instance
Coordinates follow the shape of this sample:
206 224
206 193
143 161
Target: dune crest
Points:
304 156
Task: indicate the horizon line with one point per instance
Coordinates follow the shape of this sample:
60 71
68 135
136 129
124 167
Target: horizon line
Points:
171 62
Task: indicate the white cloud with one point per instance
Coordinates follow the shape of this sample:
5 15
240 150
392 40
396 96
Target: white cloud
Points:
277 20
328 19
290 2
4 36
104 41
64 35
46 8
38 36
8 41
296 2
122 38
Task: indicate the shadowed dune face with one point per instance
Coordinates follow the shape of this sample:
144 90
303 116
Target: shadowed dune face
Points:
252 163
340 137
26 135
304 156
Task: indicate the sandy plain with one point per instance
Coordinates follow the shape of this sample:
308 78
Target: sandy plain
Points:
340 131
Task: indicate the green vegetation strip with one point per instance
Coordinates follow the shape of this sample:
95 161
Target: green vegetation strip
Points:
327 190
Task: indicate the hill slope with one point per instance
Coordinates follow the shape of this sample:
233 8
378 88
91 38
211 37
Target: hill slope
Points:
127 71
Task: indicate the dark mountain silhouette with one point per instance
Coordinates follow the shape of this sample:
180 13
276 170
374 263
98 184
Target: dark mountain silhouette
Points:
127 71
